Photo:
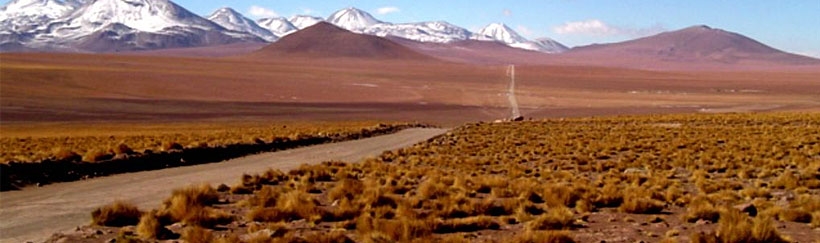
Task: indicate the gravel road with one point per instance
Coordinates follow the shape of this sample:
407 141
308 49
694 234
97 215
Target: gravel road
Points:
33 214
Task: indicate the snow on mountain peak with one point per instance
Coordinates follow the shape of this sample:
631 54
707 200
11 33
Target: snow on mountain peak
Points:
232 20
433 31
279 26
353 19
304 21
500 32
550 46
24 15
141 15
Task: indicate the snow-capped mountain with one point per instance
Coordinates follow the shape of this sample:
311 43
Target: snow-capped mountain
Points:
114 25
279 26
359 21
304 21
434 31
234 21
550 45
353 19
26 15
502 33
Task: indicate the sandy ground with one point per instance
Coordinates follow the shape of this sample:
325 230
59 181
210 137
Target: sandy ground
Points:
36 213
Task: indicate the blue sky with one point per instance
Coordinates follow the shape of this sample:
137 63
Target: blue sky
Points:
790 25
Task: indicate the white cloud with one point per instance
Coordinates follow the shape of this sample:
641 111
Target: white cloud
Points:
507 12
588 27
308 11
600 28
261 12
387 10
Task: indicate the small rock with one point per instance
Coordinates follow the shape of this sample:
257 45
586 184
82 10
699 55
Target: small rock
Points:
702 222
112 240
747 208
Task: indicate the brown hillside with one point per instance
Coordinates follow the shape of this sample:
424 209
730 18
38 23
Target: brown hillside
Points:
695 44
327 40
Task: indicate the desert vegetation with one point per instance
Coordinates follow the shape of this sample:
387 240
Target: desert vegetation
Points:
41 154
96 142
672 178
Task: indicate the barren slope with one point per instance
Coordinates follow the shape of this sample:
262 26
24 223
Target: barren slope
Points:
325 40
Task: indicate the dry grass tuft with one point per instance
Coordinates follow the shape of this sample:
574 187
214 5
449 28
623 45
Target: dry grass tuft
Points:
469 224
96 155
700 209
122 149
331 237
639 205
292 205
149 226
736 227
554 219
195 234
549 236
795 215
116 214
191 205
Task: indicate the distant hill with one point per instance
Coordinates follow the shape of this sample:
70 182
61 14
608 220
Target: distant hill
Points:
325 40
697 44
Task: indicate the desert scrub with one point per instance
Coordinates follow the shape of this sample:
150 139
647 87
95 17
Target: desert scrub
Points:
546 180
118 213
36 142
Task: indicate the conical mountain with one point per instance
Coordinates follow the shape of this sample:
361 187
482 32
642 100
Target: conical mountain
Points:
353 19
325 40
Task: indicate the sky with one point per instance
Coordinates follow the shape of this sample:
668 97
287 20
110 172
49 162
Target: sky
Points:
789 25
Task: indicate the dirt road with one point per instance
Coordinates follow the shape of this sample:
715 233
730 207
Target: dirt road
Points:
511 93
36 213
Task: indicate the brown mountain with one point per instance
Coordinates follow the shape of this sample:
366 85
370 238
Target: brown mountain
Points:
697 44
325 40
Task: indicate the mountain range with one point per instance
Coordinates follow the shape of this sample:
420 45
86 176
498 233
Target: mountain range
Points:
161 25
126 25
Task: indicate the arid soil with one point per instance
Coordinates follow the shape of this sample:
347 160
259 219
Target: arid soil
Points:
49 87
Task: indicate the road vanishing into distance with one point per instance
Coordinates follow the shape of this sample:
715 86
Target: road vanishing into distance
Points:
34 214
511 93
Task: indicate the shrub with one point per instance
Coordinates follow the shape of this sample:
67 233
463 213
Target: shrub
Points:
122 149
469 224
701 210
640 205
554 219
197 234
117 214
190 205
149 226
549 236
96 155
795 215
